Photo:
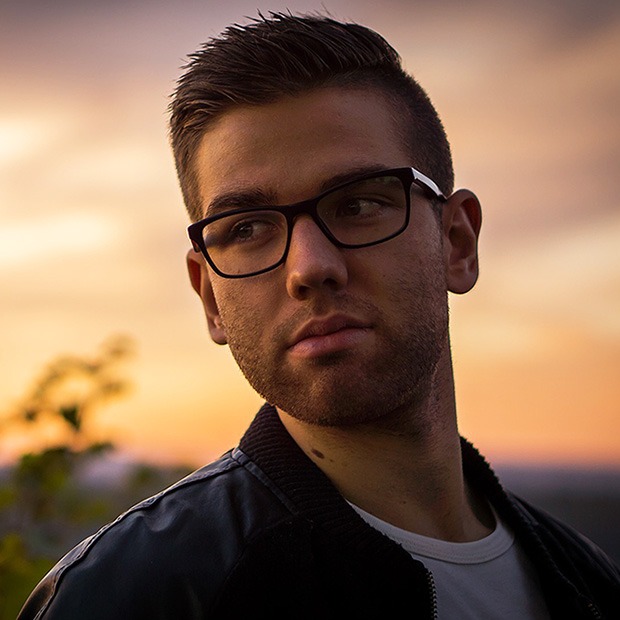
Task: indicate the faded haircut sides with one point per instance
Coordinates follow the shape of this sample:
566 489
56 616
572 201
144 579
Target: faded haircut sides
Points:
282 54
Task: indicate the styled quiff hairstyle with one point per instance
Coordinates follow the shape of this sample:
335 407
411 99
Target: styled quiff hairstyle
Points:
282 55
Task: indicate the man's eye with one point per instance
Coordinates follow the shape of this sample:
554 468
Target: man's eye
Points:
359 207
243 231
251 230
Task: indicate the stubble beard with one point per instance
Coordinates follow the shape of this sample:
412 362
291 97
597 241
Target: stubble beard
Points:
341 390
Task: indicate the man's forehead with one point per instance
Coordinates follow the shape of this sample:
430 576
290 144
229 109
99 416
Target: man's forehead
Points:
324 109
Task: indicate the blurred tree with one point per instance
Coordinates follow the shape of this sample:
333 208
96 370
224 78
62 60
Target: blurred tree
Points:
42 509
71 387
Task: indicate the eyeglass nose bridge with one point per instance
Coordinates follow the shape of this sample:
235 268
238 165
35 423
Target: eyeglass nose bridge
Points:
292 212
305 207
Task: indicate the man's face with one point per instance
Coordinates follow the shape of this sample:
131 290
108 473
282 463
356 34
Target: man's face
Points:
334 336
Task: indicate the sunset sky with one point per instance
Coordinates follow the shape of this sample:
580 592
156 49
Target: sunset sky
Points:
92 224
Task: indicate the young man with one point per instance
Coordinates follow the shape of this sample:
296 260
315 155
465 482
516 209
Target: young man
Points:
326 236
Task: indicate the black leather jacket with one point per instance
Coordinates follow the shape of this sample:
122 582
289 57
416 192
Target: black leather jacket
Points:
262 533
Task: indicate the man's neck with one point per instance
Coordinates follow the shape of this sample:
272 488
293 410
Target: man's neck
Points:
409 477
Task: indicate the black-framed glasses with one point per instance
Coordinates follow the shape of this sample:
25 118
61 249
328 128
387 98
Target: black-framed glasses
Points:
371 209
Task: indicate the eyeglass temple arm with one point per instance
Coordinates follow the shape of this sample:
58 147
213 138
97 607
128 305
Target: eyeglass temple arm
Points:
429 183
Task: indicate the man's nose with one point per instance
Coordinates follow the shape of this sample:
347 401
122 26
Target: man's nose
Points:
313 262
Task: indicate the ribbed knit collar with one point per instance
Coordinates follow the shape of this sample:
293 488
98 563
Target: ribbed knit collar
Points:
268 444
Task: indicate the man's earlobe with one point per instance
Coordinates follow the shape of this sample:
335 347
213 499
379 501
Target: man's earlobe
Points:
201 282
461 222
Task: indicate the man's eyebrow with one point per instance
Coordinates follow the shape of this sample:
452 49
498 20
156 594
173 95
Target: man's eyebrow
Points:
239 199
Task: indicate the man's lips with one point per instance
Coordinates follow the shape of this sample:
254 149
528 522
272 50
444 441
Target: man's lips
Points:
332 334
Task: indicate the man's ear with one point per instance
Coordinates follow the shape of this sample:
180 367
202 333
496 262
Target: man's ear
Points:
461 221
201 283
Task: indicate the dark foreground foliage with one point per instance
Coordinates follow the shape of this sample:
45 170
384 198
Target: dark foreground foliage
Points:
52 498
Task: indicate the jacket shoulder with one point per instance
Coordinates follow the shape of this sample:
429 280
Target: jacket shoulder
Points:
171 551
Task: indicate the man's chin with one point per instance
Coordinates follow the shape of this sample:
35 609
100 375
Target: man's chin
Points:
337 408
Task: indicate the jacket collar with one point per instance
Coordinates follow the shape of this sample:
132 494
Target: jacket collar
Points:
310 493
308 490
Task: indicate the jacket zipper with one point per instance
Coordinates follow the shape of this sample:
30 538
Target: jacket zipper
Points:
594 610
431 586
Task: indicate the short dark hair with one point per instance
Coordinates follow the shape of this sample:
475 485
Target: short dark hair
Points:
283 54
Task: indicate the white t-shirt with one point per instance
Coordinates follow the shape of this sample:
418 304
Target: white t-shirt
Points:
485 579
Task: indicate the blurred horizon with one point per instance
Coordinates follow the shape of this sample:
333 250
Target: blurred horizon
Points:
92 223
